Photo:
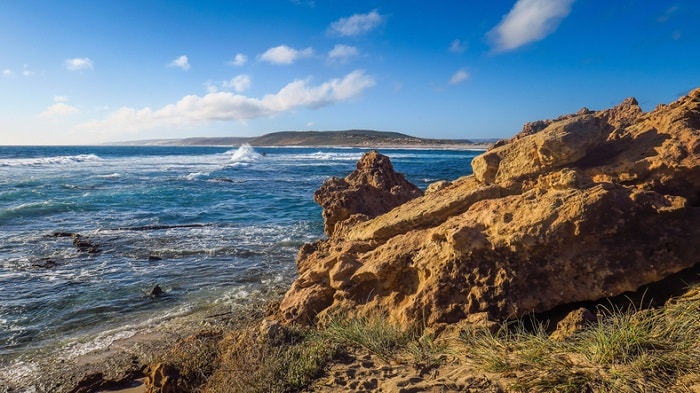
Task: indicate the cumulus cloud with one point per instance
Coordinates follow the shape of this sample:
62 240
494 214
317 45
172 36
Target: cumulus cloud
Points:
78 64
7 72
528 21
357 24
285 55
457 46
239 60
59 109
341 53
239 83
181 62
226 106
60 98
459 77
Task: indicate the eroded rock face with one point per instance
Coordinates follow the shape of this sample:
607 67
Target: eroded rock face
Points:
372 189
583 207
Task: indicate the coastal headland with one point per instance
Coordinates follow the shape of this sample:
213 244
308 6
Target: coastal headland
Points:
345 138
567 262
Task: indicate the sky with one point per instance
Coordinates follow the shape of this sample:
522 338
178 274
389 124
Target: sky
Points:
91 72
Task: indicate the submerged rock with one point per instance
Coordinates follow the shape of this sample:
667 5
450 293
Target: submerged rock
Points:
582 207
156 291
82 243
85 245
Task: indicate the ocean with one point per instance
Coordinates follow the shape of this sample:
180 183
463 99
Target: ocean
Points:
87 232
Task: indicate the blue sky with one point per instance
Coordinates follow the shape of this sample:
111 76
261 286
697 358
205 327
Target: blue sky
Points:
83 72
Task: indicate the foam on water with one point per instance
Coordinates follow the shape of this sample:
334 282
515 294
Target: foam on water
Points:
57 160
110 176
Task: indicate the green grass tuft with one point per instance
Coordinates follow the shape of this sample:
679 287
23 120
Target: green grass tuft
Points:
373 333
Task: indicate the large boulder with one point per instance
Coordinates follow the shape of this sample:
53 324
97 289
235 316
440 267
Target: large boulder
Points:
586 206
372 189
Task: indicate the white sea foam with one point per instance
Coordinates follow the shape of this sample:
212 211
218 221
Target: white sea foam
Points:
56 160
110 176
326 156
103 341
196 175
19 370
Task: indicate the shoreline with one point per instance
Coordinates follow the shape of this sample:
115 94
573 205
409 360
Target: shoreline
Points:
119 366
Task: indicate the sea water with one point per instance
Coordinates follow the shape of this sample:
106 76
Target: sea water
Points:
209 225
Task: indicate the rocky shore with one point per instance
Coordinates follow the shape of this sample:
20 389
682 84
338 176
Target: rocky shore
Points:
574 238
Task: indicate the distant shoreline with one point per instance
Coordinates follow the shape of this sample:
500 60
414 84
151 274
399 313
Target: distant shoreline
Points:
369 139
459 147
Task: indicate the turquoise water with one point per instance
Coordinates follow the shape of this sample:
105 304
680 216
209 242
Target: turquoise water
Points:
210 225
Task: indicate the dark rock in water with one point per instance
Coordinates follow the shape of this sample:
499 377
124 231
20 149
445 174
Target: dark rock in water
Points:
44 263
62 234
79 241
153 258
156 291
85 245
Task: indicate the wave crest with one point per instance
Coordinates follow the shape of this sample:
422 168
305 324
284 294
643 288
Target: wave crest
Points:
245 153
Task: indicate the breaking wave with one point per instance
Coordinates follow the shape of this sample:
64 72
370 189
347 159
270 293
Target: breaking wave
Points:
245 153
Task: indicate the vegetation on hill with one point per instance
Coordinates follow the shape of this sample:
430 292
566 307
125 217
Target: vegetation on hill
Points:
348 138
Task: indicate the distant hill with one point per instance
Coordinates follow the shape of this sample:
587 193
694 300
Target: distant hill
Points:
349 138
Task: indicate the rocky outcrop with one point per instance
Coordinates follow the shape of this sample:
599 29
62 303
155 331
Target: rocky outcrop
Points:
372 189
582 207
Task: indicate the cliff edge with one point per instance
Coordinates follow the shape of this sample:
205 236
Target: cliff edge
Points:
578 208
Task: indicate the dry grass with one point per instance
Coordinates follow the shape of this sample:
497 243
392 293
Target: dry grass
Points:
374 333
625 351
196 358
284 363
631 350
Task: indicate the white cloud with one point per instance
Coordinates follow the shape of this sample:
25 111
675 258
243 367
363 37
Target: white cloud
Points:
667 14
285 55
60 98
357 24
239 60
341 53
211 87
26 72
78 64
7 72
181 62
239 83
226 106
459 77
457 46
529 21
59 109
